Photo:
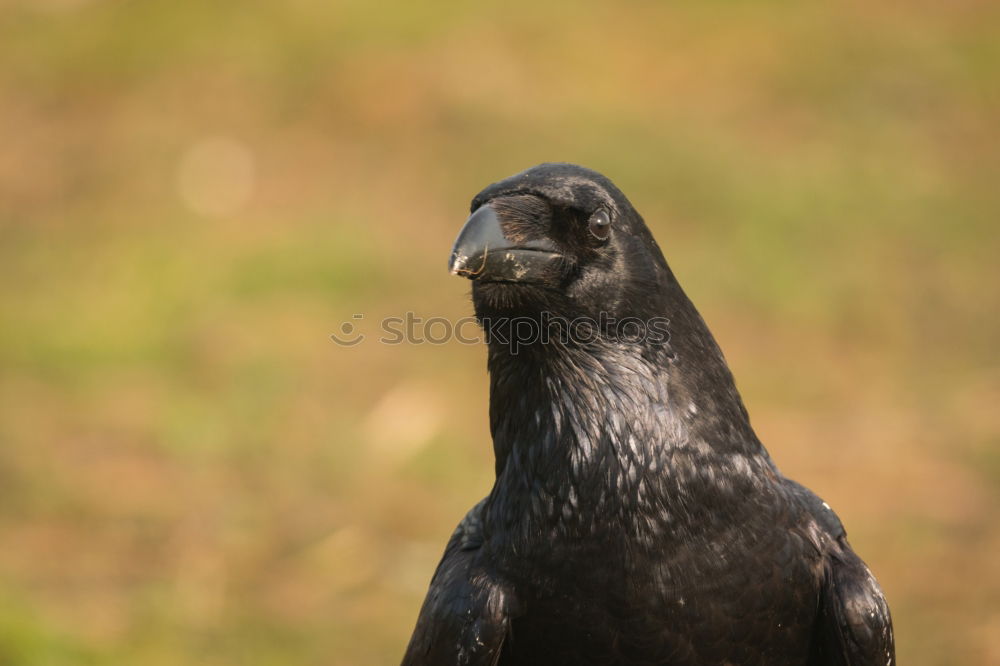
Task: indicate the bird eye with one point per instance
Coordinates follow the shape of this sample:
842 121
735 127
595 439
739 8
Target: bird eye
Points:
600 224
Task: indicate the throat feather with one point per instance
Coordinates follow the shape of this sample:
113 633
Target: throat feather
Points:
606 439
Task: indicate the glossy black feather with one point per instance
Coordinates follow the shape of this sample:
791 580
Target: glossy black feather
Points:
635 517
465 617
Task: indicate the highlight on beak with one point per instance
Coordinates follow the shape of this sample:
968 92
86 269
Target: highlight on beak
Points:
480 233
482 252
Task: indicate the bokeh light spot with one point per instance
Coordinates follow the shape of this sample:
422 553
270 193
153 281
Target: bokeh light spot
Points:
215 176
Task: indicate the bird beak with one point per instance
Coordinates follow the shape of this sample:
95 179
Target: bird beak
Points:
482 252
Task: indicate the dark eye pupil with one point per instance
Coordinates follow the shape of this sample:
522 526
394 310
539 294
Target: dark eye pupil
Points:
600 224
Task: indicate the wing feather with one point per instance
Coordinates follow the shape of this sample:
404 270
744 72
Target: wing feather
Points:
465 617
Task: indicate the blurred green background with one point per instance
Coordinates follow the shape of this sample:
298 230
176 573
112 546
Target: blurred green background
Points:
195 195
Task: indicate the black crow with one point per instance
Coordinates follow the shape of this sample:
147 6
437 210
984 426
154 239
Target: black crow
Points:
635 517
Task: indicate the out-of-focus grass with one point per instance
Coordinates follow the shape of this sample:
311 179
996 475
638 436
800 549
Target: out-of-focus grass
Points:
191 472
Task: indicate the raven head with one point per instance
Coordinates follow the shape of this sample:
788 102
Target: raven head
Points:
562 239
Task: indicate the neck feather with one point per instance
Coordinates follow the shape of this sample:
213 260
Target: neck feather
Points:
582 432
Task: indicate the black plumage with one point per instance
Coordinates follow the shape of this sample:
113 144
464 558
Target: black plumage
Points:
635 518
